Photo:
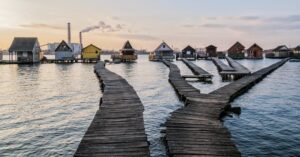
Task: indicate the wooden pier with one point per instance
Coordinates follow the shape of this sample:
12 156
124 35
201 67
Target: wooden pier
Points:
200 73
118 126
196 129
235 70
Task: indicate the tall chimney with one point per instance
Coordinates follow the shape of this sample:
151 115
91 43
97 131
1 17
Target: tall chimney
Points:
80 38
69 32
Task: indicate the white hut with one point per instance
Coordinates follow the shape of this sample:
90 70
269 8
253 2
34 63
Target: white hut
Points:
65 51
163 51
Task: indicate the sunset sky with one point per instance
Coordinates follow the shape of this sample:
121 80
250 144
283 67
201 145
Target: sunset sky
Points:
148 22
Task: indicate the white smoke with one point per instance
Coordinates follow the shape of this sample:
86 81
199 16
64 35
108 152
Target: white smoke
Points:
102 26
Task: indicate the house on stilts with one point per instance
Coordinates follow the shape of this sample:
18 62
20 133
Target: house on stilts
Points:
211 51
296 52
281 51
255 52
188 53
25 50
162 52
127 54
236 51
67 52
91 53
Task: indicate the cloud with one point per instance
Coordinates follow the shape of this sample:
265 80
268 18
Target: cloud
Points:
247 24
41 25
138 37
116 18
213 25
102 26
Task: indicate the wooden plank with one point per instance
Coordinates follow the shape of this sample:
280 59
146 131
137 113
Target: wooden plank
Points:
118 126
196 130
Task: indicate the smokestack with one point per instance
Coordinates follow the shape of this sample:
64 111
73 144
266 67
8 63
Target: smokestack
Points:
69 32
80 38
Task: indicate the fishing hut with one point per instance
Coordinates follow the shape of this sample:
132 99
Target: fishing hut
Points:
162 52
281 51
211 51
1 55
255 52
91 53
296 52
188 53
65 52
236 51
25 50
127 54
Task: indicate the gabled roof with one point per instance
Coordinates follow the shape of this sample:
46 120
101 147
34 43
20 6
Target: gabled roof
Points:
297 48
163 47
127 46
91 45
23 44
189 48
210 46
63 46
281 48
254 46
236 45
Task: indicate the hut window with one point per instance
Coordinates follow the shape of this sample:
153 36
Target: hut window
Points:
96 52
164 46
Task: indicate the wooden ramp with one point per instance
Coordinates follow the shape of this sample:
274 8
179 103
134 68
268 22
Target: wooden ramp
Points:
201 73
235 69
221 66
118 126
239 68
196 129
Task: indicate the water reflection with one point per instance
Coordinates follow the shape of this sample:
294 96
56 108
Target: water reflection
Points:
46 109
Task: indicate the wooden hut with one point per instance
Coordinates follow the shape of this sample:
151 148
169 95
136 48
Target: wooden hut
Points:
255 52
25 50
296 52
1 55
236 51
91 53
211 51
189 53
162 52
281 51
64 52
128 53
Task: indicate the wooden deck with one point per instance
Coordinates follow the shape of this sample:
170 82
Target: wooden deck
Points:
118 126
235 70
196 129
239 68
221 66
201 73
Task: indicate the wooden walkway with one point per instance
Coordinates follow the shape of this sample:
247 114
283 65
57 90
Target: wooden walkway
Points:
239 68
235 69
118 126
221 66
196 129
201 73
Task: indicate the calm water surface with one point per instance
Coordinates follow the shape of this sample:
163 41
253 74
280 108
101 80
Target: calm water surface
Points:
45 109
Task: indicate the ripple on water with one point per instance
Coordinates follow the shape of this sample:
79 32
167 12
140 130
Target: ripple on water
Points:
46 109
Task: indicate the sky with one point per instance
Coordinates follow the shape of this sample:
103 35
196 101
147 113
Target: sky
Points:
146 23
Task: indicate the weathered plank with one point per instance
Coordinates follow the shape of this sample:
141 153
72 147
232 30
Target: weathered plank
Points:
118 126
196 129
199 72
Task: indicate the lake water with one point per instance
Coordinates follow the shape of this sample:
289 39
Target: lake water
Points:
45 109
